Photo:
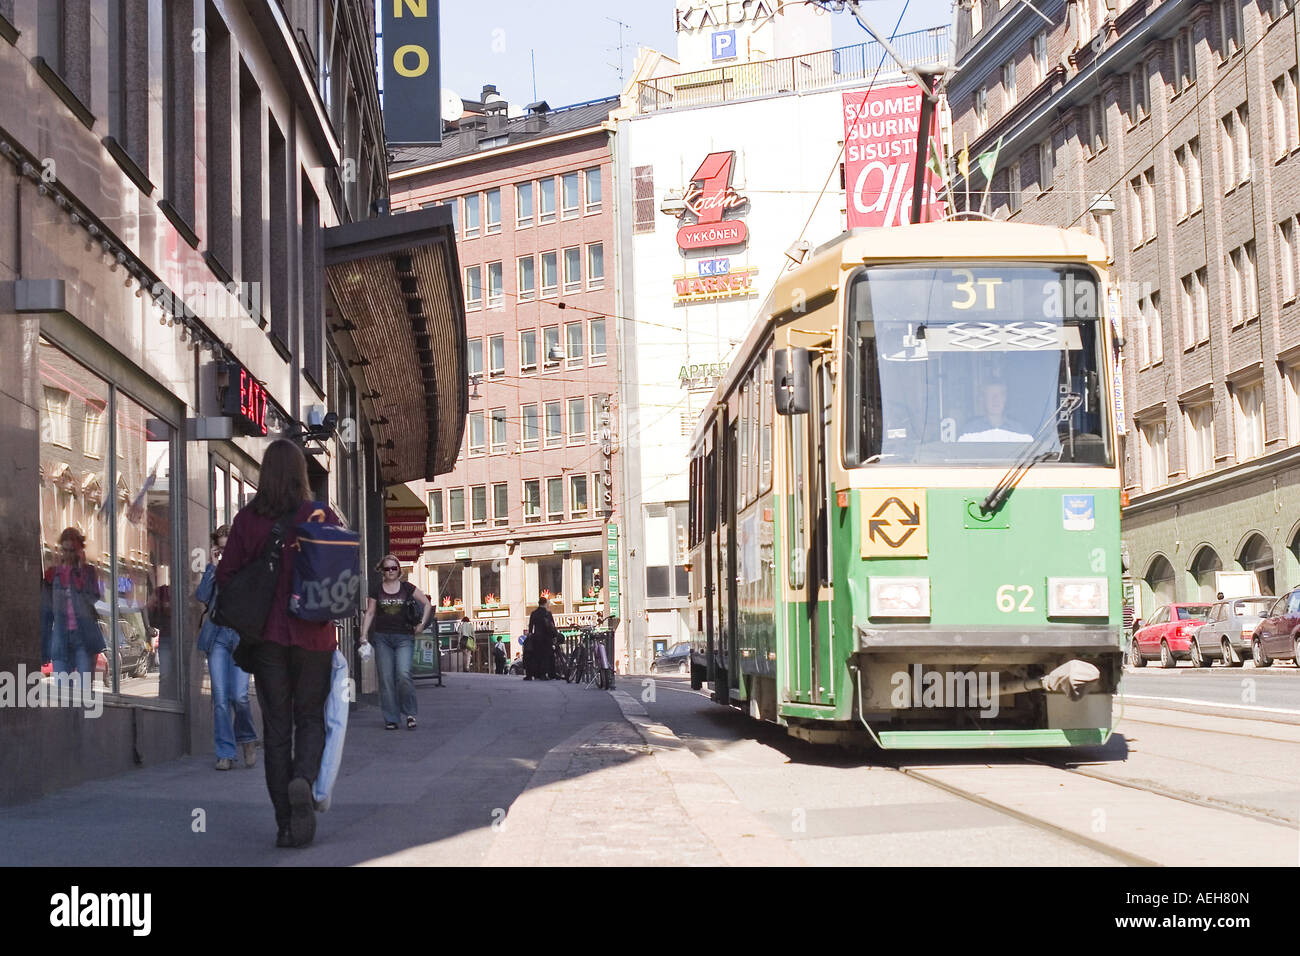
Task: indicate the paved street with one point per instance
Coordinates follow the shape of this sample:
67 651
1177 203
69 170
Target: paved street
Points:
503 772
1276 687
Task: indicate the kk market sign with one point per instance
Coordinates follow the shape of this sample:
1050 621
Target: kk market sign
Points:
715 280
708 199
880 130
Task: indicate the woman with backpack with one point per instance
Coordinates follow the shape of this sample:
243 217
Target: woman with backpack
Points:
394 607
232 716
292 660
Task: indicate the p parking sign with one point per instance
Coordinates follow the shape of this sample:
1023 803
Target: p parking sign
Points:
724 45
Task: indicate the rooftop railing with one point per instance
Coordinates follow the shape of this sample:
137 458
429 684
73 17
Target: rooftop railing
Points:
793 74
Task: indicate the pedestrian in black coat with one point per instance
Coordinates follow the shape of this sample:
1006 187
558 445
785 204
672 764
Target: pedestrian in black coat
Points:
541 642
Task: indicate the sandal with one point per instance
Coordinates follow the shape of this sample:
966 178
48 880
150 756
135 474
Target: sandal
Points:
389 725
410 723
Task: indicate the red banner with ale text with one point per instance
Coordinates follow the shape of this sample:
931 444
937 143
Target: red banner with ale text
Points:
880 158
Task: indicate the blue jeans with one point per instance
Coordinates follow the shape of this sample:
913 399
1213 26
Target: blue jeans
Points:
393 653
229 693
84 661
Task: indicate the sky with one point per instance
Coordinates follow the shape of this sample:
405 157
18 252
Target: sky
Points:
575 43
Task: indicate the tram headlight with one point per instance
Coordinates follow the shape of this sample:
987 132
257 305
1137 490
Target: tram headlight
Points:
1077 597
899 597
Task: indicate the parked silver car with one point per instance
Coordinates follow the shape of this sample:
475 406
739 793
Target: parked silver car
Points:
1227 635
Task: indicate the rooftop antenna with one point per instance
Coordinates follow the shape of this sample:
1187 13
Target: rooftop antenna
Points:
532 56
621 25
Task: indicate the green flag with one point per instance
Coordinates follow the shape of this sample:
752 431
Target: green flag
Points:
988 161
934 164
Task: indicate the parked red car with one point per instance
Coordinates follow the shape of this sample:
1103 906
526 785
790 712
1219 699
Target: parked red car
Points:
1167 635
1278 635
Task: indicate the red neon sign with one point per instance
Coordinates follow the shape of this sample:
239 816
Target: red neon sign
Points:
708 197
246 400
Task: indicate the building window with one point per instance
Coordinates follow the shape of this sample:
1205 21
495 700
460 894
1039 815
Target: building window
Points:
496 285
578 503
596 336
976 17
1154 326
523 205
476 436
435 511
573 344
456 509
532 501
530 422
1286 134
493 211
1155 457
1235 129
1098 124
478 506
1184 60
546 207
597 413
1137 92
473 287
1229 27
1187 179
1008 85
1013 187
58 421
1142 204
643 199
551 346
577 421
454 205
550 274
498 429
527 278
981 109
528 351
1199 425
474 357
1038 61
554 425
1248 401
569 195
573 269
472 213
1046 165
496 355
1196 318
501 504
554 500
1287 251
591 182
1291 388
595 265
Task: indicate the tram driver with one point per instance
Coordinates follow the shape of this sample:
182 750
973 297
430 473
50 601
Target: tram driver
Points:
993 425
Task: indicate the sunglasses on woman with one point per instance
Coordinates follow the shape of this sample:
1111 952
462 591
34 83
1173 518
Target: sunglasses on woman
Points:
391 567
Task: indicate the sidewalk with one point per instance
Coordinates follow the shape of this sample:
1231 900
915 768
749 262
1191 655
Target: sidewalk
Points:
500 772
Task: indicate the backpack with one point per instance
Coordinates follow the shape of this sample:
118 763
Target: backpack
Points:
326 570
245 603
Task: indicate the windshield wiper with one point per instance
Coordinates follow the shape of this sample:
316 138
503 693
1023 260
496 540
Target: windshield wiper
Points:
1030 457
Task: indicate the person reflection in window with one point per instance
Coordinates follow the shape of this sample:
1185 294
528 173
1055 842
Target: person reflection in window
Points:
70 634
993 425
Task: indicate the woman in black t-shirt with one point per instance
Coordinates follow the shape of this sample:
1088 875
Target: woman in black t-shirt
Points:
389 609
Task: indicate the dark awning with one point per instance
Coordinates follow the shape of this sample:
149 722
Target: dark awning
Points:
397 279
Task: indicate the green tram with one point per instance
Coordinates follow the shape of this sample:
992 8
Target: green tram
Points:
905 495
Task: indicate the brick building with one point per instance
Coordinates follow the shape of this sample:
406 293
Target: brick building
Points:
1171 130
531 506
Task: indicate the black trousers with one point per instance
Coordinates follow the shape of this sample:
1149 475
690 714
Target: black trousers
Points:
292 686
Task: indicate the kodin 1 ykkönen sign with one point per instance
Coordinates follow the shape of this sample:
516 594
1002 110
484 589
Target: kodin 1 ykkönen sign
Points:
880 157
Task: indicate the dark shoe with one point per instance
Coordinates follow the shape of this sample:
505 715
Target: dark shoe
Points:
389 725
302 815
282 838
249 751
410 723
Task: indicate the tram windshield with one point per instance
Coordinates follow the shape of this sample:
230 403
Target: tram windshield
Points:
978 364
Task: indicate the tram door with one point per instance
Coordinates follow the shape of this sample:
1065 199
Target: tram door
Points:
808 444
730 569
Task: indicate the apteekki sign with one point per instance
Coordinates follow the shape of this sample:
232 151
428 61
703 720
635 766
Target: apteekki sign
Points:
412 96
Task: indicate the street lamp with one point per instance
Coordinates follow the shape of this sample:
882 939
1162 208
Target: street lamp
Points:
1102 205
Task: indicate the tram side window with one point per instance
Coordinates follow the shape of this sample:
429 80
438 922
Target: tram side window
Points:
765 409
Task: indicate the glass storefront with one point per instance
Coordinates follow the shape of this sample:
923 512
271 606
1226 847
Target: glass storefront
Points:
107 531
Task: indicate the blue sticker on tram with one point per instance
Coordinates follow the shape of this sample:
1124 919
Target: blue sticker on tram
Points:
1078 512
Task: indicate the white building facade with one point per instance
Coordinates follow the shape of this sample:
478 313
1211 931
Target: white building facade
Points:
721 170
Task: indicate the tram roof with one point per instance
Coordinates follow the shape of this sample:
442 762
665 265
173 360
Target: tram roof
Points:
978 239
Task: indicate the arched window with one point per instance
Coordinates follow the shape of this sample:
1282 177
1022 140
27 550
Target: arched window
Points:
1257 556
1158 586
1202 569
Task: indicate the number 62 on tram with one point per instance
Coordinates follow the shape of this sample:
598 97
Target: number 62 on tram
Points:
904 518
